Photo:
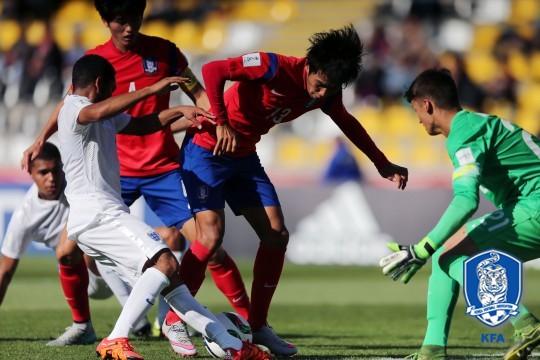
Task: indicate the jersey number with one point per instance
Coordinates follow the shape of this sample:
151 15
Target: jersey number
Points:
278 115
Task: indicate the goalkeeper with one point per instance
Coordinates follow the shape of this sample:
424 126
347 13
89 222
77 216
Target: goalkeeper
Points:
491 155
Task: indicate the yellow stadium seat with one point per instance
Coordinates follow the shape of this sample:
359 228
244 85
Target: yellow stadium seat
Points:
35 32
485 37
156 28
93 34
213 34
186 35
76 12
11 32
535 66
519 65
481 66
524 11
528 97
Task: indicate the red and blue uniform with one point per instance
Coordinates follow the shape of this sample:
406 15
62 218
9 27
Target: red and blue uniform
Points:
270 89
149 164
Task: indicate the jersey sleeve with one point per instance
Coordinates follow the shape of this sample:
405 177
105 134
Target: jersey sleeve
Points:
467 156
121 121
70 112
352 128
18 235
258 66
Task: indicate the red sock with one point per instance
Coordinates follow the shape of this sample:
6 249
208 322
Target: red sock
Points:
74 280
193 266
266 274
172 317
228 279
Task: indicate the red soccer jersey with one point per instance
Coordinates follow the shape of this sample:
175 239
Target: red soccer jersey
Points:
271 89
151 60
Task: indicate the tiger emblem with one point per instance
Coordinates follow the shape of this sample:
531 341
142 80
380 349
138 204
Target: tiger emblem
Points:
493 282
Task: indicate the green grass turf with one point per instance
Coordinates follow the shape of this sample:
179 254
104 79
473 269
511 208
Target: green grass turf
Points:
329 312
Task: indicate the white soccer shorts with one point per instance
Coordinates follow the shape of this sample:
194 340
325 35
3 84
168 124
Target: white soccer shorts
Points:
123 242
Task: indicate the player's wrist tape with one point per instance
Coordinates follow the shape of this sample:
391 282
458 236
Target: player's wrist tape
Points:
425 248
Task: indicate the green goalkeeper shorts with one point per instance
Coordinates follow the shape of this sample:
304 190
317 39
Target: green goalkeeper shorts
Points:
514 230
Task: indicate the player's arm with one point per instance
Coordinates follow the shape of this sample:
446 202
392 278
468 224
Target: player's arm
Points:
408 259
115 105
352 128
48 130
7 270
194 90
185 115
215 75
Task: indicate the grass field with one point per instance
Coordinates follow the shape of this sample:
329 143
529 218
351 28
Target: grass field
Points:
329 312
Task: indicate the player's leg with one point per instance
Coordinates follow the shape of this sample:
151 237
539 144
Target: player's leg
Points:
442 296
514 231
269 225
74 280
166 197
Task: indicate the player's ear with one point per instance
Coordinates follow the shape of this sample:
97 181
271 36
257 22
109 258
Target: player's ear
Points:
428 106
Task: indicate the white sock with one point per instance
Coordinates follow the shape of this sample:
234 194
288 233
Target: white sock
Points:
163 309
200 318
142 297
118 286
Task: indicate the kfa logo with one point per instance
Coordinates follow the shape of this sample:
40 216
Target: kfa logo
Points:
203 192
492 286
149 65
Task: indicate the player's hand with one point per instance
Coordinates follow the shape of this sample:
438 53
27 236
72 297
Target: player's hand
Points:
195 115
168 84
227 140
395 173
403 263
30 154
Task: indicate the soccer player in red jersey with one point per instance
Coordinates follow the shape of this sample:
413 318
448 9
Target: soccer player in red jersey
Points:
270 89
149 164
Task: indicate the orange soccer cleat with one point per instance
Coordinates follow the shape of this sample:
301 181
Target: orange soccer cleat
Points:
117 349
247 352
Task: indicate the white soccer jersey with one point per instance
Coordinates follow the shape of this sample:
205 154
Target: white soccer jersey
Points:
90 164
37 220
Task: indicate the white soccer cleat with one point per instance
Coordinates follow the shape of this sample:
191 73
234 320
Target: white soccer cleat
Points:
267 337
76 335
178 336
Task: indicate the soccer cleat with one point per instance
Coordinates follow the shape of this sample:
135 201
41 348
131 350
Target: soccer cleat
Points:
247 352
267 337
76 335
143 328
177 334
429 352
117 349
526 340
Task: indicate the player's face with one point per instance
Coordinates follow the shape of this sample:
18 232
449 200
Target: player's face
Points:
318 86
124 31
47 174
422 109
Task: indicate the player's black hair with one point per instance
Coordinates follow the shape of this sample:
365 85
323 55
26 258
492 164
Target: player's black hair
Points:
49 152
111 10
436 84
88 68
337 54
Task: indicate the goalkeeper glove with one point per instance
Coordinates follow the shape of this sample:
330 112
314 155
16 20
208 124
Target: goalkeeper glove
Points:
406 260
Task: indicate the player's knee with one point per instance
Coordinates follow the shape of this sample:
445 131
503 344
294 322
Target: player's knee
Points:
167 263
69 257
277 239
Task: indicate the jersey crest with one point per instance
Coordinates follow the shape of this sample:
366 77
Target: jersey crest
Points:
492 286
150 65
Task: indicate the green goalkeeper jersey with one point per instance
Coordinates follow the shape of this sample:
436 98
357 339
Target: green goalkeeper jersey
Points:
491 155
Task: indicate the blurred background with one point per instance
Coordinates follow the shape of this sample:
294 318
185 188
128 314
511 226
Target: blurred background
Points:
330 192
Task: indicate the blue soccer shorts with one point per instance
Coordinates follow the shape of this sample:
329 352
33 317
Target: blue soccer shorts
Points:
211 180
163 193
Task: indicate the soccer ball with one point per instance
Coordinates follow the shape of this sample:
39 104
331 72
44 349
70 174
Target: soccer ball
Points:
236 325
